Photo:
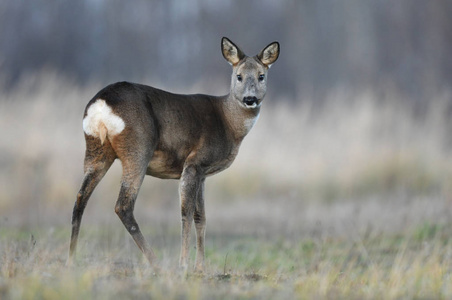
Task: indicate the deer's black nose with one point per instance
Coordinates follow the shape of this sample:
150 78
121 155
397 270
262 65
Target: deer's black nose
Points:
250 101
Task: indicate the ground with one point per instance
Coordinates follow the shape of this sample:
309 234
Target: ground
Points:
415 264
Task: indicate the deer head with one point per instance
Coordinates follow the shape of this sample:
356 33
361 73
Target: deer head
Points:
249 74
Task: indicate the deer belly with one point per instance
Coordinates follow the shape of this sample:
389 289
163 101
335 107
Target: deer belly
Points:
166 166
220 165
162 166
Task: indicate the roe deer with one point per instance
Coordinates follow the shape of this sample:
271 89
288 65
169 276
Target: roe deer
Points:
186 137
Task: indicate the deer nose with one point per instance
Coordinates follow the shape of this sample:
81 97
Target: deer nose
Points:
250 100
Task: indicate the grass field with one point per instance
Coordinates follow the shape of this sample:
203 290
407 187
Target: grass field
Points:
415 264
349 199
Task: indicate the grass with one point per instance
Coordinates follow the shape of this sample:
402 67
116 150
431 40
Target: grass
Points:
415 264
350 199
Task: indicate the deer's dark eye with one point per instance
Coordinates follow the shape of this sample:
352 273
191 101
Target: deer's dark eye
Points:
261 77
239 77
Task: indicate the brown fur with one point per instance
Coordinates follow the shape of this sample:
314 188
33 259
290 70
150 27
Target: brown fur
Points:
186 137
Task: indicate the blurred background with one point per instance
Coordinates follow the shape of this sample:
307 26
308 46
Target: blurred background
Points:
354 135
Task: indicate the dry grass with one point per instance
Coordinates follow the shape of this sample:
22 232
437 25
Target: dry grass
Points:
350 199
414 265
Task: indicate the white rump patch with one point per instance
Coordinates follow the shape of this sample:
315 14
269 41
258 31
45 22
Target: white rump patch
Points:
100 115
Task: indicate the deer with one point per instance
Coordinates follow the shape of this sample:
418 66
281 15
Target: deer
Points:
170 136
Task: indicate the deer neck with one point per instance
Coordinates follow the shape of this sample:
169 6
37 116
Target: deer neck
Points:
238 118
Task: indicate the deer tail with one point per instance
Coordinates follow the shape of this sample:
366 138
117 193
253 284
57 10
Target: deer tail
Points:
102 132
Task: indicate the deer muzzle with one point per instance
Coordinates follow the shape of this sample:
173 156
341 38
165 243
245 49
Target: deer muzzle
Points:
250 101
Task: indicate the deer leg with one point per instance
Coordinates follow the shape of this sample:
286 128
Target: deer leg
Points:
90 181
190 184
200 226
97 162
131 182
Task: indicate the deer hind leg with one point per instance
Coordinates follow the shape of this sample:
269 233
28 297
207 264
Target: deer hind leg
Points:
98 159
190 187
132 178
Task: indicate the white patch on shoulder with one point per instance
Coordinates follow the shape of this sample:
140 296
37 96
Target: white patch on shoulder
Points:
100 113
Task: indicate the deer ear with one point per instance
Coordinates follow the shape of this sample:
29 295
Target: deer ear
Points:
231 52
269 54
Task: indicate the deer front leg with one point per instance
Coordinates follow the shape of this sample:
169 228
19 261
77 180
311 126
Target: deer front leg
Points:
200 226
190 185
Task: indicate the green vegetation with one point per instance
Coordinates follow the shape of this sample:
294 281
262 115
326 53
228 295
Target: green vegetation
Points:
413 265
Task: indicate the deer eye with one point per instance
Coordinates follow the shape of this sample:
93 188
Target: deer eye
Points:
239 77
261 77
